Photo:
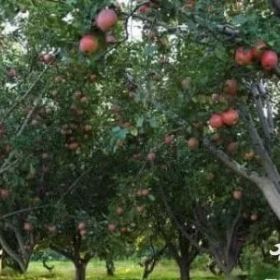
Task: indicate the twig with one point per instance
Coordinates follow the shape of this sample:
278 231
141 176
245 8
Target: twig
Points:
29 115
25 95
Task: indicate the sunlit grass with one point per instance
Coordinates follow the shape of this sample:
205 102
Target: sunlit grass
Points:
125 270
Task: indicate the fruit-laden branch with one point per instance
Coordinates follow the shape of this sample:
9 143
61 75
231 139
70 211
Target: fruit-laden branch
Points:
117 44
233 165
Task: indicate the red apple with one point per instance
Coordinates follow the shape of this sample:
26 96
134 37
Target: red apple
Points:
27 226
112 227
254 217
45 155
231 87
73 146
84 99
12 73
269 60
145 9
145 192
232 148
119 211
92 77
243 56
230 117
151 156
249 155
52 228
83 232
88 44
193 143
106 19
168 139
48 58
190 4
237 194
123 230
140 209
186 83
4 194
216 121
110 39
82 226
139 193
87 128
210 176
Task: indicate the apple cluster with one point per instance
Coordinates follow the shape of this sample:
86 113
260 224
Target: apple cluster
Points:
105 20
260 53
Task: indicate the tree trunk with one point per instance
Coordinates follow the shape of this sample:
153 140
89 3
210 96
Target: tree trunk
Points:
110 267
1 261
80 270
184 272
229 276
271 194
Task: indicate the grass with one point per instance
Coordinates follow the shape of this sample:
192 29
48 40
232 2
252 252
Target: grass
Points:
125 270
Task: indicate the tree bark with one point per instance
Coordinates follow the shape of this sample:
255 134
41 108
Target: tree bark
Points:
184 271
110 267
80 268
265 184
21 262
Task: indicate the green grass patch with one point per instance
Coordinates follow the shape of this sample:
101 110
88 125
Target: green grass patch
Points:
125 270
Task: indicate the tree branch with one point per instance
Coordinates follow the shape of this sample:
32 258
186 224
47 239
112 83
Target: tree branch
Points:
25 95
11 252
266 161
62 252
178 224
233 165
19 239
